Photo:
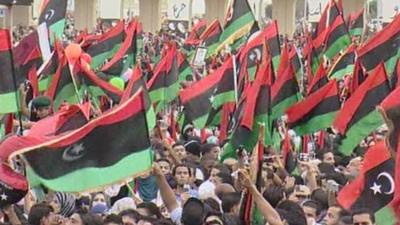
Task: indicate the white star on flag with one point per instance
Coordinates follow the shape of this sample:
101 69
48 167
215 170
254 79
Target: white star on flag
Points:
376 188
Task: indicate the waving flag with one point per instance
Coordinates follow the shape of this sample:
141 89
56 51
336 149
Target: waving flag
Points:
359 117
383 46
374 187
52 12
316 112
97 154
356 23
8 89
238 22
344 65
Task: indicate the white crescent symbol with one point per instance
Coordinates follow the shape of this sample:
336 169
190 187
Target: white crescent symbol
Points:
254 35
73 152
49 14
390 178
258 53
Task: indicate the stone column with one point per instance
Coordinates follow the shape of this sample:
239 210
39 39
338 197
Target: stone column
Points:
149 15
352 6
216 9
284 12
85 14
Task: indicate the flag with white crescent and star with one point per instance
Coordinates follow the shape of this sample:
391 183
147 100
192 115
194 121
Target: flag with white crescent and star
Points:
97 154
374 187
52 12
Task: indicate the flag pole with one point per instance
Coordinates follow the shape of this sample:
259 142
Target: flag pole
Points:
235 78
21 130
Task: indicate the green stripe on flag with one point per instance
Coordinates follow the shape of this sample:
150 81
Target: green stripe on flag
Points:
45 83
279 109
57 31
101 58
187 72
356 31
8 103
359 131
201 122
238 26
338 75
338 46
315 124
275 62
67 94
90 178
223 98
252 72
385 216
165 94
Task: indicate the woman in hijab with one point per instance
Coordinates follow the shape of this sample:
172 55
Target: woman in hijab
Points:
63 204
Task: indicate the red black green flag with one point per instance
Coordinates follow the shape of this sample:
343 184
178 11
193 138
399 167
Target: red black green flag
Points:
52 12
193 38
107 45
329 15
356 23
207 95
284 92
135 83
239 20
359 117
320 79
185 71
253 110
337 39
210 37
316 112
383 46
284 60
126 55
374 187
8 85
295 62
99 153
164 86
344 65
358 77
274 45
252 53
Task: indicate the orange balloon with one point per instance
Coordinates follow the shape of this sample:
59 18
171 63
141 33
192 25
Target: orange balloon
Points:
87 58
73 51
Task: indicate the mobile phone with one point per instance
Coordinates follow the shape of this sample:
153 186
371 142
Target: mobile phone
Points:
304 157
332 186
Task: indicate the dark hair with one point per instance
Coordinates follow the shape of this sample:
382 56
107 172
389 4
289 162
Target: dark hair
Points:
313 204
38 212
214 205
131 214
152 208
363 211
206 148
181 165
295 212
163 160
178 143
320 196
226 178
89 218
112 218
229 200
274 195
346 220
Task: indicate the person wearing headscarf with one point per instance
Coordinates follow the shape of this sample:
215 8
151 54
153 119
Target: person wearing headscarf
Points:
63 204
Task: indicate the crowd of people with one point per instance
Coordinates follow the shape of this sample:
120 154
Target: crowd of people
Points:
189 184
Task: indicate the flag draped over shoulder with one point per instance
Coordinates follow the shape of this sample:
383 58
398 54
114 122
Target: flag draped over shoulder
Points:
374 187
97 154
359 117
316 112
383 46
53 14
8 89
